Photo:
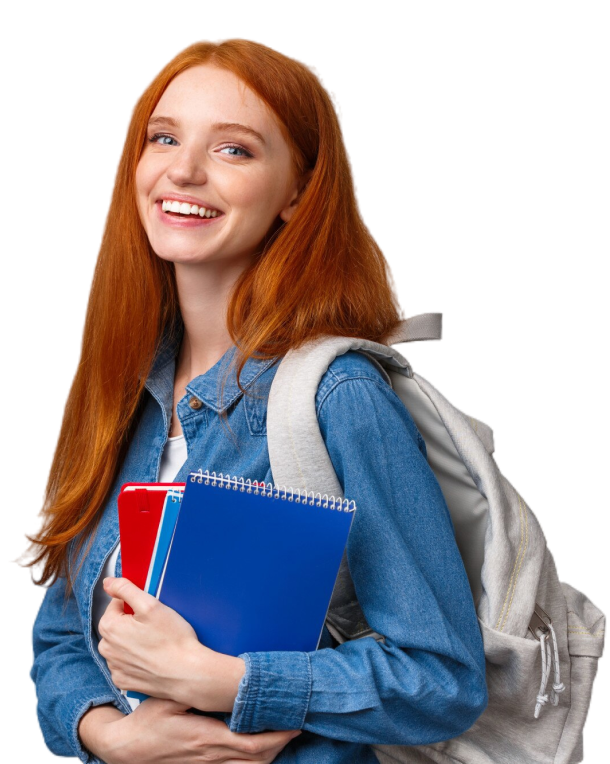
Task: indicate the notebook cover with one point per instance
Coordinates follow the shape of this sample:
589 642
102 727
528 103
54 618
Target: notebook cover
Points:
251 572
139 515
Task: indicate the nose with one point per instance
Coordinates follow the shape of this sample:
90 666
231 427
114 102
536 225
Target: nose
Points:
188 167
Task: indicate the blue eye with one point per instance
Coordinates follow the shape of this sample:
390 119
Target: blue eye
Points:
238 148
161 135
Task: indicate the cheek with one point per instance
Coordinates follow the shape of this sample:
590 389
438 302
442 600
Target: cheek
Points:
142 187
242 191
141 177
260 200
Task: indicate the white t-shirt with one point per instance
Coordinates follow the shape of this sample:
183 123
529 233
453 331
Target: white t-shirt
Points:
174 456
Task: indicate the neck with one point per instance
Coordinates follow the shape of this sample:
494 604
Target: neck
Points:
203 293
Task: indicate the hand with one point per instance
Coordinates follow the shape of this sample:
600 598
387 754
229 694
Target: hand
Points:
156 651
161 732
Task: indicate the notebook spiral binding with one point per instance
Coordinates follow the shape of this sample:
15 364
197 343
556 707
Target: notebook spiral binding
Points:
299 496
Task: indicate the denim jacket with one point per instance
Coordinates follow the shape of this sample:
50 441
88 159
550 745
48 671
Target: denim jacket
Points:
424 683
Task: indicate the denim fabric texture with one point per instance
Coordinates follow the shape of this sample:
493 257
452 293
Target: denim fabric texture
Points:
424 683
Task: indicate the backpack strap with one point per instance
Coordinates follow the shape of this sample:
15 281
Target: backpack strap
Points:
425 326
298 456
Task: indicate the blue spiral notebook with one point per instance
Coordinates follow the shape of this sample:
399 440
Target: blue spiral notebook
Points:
252 567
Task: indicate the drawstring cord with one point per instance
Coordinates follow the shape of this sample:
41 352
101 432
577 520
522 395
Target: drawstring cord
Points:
542 697
558 685
550 661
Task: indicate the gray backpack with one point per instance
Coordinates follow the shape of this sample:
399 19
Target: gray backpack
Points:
537 631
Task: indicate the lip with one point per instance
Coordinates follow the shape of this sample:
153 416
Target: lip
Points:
189 199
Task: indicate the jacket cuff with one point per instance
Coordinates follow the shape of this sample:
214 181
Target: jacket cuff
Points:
274 692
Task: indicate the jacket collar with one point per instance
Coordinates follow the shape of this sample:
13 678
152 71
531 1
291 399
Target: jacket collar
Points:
206 387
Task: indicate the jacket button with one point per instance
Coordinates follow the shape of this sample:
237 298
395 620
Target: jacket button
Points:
195 403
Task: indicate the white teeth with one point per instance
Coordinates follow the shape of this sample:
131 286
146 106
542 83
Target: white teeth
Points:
185 208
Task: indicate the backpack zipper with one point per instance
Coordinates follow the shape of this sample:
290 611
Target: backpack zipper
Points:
540 621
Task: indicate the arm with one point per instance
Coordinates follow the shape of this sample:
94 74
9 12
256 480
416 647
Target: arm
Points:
79 714
427 682
68 682
164 732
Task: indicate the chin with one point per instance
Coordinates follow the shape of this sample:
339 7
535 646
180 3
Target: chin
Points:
193 256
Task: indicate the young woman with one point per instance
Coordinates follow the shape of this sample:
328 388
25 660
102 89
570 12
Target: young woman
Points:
233 236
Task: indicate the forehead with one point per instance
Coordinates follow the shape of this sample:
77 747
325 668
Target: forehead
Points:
205 94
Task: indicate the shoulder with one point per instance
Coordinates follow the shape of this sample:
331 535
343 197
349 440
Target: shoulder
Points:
352 365
354 396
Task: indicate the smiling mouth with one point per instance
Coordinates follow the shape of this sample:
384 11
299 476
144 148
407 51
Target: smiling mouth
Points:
184 209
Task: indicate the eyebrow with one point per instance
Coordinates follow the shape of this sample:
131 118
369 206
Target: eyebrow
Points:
237 128
162 121
234 127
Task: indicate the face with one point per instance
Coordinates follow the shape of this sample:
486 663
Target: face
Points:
199 152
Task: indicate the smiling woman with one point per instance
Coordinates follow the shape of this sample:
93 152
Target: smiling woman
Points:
236 237
248 184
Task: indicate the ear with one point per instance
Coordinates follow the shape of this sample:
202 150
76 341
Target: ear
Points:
287 213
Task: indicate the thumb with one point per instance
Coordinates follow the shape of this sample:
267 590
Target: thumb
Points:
123 589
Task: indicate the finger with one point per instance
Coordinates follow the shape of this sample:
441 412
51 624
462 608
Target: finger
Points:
249 745
115 607
260 743
123 589
113 610
264 757
163 705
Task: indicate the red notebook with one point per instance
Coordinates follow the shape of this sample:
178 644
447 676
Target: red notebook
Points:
140 508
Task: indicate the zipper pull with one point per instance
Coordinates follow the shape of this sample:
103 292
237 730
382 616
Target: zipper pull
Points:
540 623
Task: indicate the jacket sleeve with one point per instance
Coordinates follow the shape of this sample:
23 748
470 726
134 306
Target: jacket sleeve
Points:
426 683
68 681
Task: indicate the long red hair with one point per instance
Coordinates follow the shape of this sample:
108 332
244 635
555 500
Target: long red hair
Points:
321 273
